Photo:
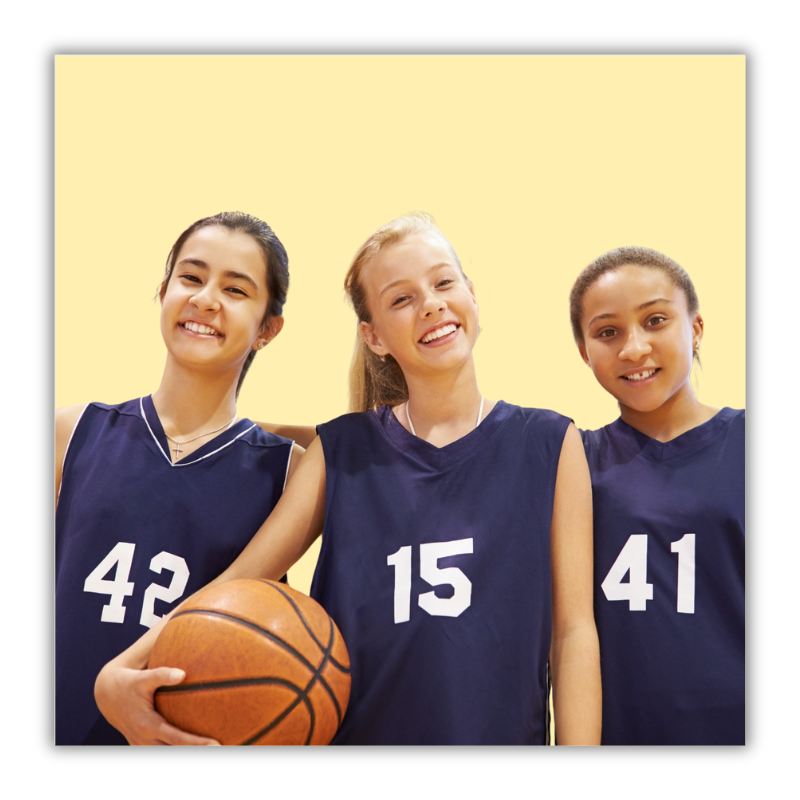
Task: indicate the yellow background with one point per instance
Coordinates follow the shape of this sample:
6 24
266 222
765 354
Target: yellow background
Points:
531 165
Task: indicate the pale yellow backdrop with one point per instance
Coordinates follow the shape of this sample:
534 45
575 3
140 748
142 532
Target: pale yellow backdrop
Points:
532 166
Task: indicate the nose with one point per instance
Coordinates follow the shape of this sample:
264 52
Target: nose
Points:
205 298
431 303
635 346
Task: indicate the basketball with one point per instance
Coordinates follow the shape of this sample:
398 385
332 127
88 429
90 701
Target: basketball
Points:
264 664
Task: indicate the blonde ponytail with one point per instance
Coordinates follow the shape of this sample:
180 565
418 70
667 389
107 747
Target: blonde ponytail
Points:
374 380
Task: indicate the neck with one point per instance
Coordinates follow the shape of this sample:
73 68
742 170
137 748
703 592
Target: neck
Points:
680 413
189 402
444 408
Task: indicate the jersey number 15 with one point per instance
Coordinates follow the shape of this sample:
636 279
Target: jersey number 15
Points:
429 555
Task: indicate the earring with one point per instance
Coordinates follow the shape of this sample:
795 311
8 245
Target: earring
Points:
258 345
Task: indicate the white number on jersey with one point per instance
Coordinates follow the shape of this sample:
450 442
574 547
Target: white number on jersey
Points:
431 573
637 591
632 558
120 556
155 591
401 561
685 549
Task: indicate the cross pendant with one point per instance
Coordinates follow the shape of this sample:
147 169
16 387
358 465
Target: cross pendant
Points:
177 451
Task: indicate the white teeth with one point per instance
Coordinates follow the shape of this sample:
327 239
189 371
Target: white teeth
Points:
640 376
438 333
197 328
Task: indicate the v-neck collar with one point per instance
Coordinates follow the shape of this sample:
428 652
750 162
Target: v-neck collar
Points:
688 442
217 443
441 457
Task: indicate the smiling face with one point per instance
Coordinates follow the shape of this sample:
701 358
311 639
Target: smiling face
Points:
215 301
639 337
423 311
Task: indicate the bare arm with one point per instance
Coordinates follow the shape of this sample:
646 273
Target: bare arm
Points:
124 688
66 420
574 653
302 434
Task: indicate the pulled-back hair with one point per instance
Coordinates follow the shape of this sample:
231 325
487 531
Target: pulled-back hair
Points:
274 254
623 256
378 380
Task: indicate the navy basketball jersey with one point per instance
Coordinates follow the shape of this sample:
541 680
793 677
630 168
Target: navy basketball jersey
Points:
136 534
669 581
435 565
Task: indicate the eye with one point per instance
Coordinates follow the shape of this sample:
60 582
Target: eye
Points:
188 276
400 300
443 283
656 319
606 333
236 290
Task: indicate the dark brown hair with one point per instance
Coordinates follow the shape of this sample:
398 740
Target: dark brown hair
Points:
274 254
623 256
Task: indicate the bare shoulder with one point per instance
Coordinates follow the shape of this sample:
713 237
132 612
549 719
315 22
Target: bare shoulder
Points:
572 452
297 453
66 420
302 434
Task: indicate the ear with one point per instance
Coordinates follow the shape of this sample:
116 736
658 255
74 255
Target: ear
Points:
372 339
471 287
584 354
697 331
272 327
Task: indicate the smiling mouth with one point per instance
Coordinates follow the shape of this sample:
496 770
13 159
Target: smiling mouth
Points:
196 327
641 376
439 333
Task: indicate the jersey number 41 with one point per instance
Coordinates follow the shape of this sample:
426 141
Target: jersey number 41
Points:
636 590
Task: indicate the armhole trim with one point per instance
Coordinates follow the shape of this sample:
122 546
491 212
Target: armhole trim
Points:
69 442
288 464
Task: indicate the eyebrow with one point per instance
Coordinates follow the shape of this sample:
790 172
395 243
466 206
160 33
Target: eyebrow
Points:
229 273
638 308
404 280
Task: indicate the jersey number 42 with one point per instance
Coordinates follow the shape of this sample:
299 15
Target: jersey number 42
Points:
121 557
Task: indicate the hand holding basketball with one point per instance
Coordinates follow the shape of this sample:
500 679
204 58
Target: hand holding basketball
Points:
125 696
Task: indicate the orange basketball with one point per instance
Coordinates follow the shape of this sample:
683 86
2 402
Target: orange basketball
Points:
264 664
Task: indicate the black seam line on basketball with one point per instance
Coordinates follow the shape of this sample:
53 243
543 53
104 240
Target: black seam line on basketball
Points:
340 667
315 672
269 635
326 654
326 651
302 695
234 683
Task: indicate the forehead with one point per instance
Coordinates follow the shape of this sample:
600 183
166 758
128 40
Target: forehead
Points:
406 259
626 288
221 247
